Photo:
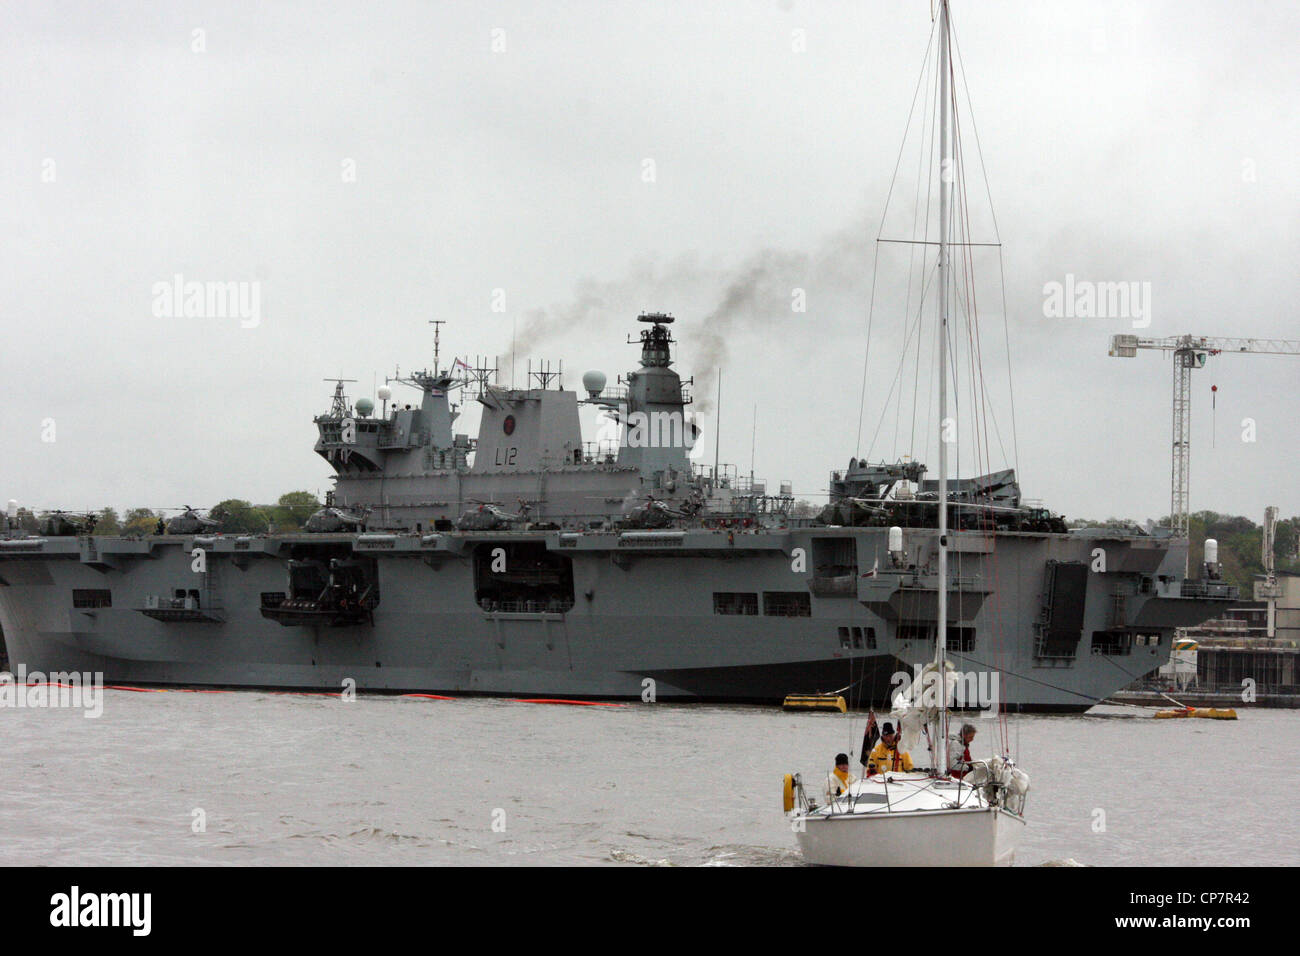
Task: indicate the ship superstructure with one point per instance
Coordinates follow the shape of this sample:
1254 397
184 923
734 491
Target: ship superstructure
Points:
412 471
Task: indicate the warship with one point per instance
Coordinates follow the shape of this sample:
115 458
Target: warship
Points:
527 561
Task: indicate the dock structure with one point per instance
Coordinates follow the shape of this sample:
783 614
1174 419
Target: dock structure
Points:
1231 660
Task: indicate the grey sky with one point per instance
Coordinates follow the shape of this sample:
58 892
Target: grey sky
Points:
1154 142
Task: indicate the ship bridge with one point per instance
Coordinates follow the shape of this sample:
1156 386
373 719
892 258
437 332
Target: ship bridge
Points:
649 408
356 442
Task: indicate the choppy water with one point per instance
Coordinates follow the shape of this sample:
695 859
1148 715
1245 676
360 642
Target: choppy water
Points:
310 780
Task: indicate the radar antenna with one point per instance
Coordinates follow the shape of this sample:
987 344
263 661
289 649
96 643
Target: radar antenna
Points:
339 405
480 374
544 375
656 340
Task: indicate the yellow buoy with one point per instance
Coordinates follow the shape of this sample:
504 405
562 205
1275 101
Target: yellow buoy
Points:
787 793
815 702
1208 713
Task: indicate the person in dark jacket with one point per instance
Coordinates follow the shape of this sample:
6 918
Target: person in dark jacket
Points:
886 756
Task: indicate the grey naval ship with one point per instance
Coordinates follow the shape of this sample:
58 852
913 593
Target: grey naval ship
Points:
527 562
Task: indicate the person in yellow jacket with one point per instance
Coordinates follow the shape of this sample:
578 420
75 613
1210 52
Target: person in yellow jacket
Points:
886 756
840 779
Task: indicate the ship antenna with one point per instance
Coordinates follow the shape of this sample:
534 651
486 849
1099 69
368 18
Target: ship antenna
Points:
753 441
437 327
717 433
339 403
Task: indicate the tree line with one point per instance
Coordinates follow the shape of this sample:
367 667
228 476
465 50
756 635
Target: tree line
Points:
237 516
1241 544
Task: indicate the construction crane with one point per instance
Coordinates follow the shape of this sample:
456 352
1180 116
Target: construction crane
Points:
1191 352
1267 590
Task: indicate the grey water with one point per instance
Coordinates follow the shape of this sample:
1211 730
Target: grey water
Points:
259 778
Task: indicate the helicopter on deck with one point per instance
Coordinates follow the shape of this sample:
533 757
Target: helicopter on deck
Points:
488 516
67 524
190 521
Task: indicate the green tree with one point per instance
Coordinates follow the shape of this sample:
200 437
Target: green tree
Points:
241 517
293 509
1240 547
1286 544
139 521
1127 523
108 522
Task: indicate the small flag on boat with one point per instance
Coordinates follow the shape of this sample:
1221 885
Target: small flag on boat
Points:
869 738
875 569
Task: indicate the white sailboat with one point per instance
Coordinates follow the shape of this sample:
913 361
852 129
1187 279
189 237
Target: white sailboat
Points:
910 820
920 818
927 817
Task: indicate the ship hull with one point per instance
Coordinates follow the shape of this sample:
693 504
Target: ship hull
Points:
677 616
976 836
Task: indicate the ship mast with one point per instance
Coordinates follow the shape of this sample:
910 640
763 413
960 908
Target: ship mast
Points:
946 174
437 327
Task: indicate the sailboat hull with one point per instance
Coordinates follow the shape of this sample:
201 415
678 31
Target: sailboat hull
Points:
978 836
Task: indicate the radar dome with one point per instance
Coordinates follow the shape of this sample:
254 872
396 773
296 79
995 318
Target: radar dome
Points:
594 383
385 393
365 406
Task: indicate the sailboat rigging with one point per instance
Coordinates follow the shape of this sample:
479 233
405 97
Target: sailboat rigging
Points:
929 816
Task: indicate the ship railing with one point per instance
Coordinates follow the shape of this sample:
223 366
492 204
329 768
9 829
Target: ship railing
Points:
1229 624
614 394
603 452
772 609
619 394
724 476
737 610
926 580
1209 589
802 521
1043 651
526 607
715 522
158 602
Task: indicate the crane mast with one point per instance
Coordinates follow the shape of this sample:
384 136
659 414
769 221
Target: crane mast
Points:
1191 352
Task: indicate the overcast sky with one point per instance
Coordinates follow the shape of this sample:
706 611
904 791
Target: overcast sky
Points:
372 166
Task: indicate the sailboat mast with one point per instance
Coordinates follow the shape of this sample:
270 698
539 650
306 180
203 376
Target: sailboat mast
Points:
946 174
